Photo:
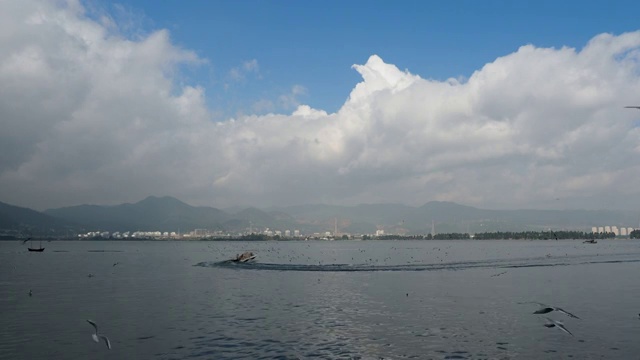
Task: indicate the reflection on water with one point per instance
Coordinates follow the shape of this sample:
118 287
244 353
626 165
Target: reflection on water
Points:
391 299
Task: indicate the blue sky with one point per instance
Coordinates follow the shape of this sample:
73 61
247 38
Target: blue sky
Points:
314 43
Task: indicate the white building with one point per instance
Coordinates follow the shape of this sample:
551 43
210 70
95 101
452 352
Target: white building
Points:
594 229
623 231
296 233
600 229
607 229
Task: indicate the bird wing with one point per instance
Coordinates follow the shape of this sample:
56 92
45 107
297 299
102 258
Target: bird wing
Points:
544 310
567 313
561 327
106 341
95 326
632 107
557 324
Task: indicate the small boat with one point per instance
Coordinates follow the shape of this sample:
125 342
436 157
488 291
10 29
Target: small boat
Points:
244 257
592 241
31 248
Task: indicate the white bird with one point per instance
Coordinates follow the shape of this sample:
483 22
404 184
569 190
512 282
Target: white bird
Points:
548 308
96 336
553 323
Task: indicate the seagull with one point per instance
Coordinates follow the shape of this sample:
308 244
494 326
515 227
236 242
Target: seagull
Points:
30 292
116 263
553 323
96 335
548 308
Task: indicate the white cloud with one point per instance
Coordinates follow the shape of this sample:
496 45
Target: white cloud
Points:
250 66
90 116
239 73
290 100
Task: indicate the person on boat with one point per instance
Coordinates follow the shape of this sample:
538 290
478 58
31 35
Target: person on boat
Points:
244 256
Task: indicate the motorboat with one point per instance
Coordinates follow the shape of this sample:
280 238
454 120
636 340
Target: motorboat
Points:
244 257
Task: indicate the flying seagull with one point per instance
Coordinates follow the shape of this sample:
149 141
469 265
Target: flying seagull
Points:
553 323
96 335
548 308
25 240
632 107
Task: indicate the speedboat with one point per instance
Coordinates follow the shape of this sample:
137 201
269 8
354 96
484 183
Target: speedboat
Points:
244 257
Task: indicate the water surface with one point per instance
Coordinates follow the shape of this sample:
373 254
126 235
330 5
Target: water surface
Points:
339 299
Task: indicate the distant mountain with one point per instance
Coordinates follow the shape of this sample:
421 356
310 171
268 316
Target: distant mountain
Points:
258 219
20 220
452 217
151 214
170 214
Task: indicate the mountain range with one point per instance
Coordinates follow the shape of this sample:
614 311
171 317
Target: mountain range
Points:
170 214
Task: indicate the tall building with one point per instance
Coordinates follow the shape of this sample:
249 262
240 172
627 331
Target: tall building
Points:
623 231
594 229
607 229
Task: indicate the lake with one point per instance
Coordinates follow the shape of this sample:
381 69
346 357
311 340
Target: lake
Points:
320 299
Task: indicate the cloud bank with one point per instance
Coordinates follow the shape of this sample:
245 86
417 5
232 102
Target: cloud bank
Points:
91 116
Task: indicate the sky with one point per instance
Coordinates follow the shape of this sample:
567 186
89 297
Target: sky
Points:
494 104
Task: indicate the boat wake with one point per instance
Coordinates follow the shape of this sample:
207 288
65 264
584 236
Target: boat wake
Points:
482 264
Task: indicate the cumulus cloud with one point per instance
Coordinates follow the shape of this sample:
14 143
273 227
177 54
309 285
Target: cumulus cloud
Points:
91 116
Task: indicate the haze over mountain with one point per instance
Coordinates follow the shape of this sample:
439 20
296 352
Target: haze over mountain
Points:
17 218
170 214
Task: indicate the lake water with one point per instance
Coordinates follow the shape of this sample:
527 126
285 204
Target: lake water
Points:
320 299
